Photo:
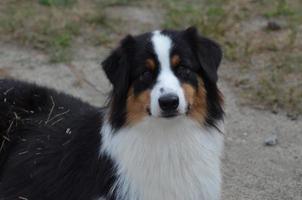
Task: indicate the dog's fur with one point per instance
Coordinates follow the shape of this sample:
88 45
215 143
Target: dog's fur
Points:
54 146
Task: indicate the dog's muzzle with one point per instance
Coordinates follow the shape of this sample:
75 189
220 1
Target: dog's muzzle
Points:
169 105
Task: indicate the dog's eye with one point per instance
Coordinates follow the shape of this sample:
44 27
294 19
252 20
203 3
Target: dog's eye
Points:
183 72
146 76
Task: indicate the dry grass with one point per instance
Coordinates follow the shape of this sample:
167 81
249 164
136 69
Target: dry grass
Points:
52 25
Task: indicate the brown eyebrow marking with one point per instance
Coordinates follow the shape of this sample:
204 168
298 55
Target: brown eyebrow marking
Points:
150 63
175 60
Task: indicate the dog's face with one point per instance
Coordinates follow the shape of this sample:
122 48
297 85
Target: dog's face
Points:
164 74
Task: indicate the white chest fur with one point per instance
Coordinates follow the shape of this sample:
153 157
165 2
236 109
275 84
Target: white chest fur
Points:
160 159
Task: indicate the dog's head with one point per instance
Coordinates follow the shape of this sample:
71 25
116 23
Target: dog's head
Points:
164 74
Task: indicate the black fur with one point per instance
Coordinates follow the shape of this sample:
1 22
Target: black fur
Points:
208 55
51 150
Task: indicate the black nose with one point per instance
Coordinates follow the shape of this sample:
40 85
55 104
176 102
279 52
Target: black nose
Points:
168 102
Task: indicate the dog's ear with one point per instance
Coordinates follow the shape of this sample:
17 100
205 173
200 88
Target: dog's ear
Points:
117 65
207 52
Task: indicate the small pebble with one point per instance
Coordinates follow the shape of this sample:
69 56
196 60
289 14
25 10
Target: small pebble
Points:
292 116
272 140
273 26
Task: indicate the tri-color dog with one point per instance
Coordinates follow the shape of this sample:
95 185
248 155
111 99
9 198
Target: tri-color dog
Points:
160 137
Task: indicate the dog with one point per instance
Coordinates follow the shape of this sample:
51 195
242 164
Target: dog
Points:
159 137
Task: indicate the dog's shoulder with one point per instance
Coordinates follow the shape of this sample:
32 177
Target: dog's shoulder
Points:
38 100
48 136
32 107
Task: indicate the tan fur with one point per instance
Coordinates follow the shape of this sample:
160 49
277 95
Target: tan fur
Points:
137 106
197 101
150 64
175 60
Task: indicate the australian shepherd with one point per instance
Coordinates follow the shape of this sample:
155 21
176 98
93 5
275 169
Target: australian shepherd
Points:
160 136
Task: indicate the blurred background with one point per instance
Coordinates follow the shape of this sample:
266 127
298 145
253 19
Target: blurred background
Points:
60 44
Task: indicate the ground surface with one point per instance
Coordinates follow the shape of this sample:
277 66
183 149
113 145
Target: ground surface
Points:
251 169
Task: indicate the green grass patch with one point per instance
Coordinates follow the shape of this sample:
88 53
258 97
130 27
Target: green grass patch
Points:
281 9
57 2
118 2
207 16
278 85
59 47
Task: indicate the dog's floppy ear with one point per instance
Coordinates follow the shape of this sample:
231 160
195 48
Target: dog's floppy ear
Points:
117 64
207 52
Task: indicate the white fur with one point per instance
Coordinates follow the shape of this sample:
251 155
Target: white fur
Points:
166 80
165 159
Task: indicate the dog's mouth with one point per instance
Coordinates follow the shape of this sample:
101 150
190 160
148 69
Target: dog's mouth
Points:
176 113
170 114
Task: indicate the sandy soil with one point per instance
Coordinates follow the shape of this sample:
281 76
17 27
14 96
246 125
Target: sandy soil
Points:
251 169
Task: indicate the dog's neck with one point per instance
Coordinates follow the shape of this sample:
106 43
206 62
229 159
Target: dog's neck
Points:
165 159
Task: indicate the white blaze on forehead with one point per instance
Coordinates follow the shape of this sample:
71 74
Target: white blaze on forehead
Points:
162 45
166 82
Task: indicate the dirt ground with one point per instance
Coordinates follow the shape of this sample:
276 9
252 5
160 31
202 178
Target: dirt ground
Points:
251 169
